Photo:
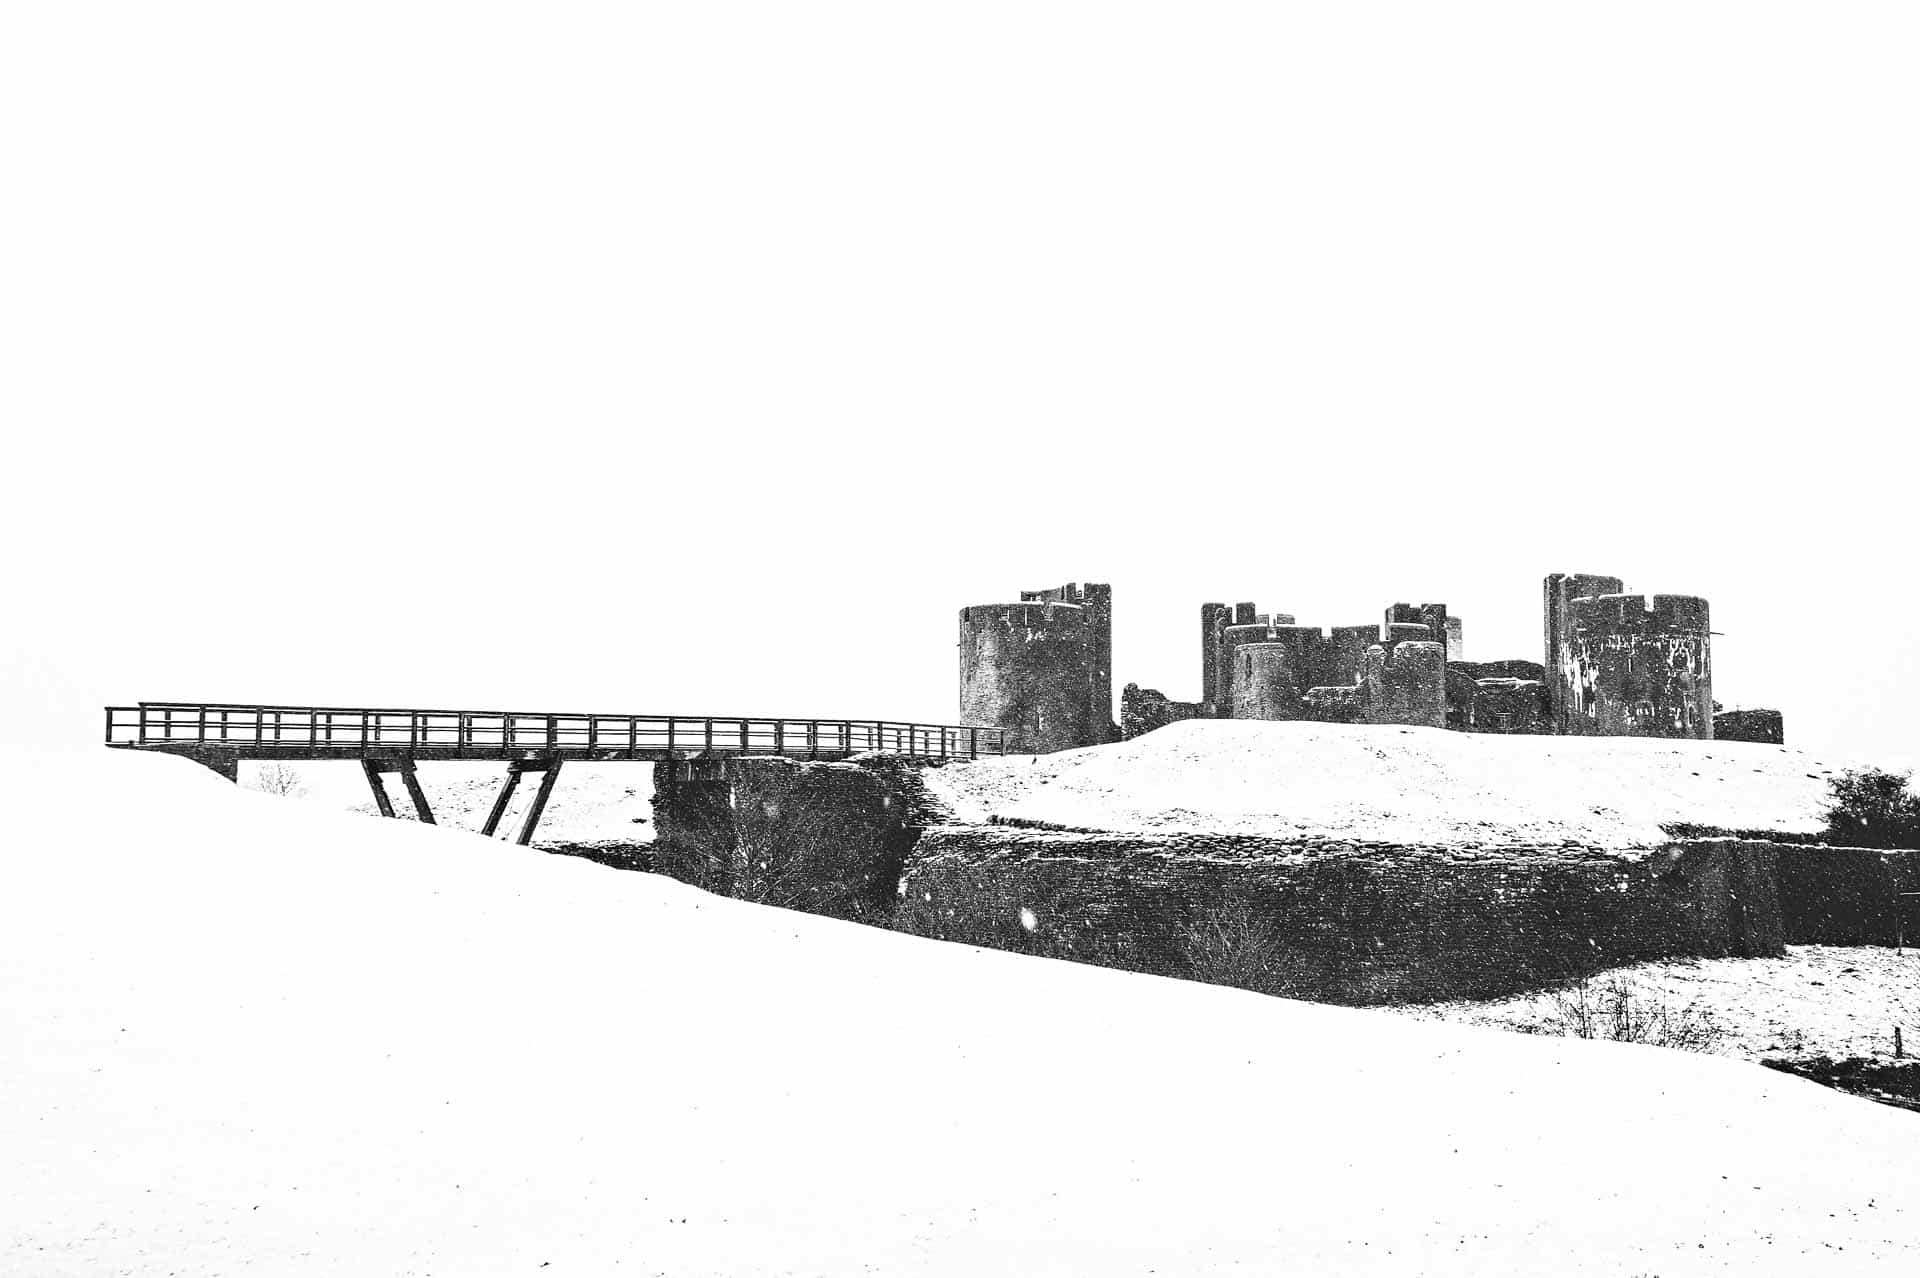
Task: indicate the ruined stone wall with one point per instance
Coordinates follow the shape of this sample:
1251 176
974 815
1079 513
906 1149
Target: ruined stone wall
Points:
1144 709
1332 705
1028 668
1346 921
1350 923
1406 682
827 838
1849 896
1763 727
1515 706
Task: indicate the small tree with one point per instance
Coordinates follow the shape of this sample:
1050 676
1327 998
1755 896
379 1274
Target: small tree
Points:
1235 945
279 779
1873 809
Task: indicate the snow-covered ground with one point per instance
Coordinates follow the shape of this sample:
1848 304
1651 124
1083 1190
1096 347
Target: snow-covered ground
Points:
1400 785
247 1035
1820 1000
591 802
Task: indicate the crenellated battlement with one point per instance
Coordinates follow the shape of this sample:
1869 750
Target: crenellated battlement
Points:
1618 663
1029 616
1640 613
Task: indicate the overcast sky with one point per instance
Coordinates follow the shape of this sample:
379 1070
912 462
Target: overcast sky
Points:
708 358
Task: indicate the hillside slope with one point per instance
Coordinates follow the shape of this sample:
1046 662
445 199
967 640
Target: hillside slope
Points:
245 1034
1400 785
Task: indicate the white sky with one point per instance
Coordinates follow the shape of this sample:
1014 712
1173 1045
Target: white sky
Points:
709 357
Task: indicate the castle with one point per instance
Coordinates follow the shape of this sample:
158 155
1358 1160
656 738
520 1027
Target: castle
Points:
1615 664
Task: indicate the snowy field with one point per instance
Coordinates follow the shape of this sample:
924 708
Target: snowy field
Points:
1820 1000
591 802
249 1035
1404 785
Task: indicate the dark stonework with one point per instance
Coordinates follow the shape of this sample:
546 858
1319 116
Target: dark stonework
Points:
1561 589
1353 923
1098 601
827 838
1765 727
1144 709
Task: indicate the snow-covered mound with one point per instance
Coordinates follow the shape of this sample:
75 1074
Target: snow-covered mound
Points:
1399 785
241 1034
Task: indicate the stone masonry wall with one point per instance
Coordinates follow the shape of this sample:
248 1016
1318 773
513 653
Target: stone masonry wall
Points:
1347 922
1352 923
828 838
1849 896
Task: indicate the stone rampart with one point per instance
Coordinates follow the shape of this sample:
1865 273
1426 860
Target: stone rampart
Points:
1346 922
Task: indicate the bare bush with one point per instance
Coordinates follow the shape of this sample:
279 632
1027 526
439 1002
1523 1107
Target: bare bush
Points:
1237 946
279 779
1620 1011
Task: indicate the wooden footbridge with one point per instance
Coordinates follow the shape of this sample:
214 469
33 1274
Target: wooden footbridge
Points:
383 741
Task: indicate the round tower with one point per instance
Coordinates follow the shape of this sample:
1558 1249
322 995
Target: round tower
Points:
1303 640
1269 681
1028 668
1639 668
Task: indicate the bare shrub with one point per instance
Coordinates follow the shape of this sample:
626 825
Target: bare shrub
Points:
1620 1011
279 779
1236 945
772 867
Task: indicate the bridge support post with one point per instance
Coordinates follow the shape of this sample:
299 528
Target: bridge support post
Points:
375 768
414 792
549 768
500 803
551 775
380 800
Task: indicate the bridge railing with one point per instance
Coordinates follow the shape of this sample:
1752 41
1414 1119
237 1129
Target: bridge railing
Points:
264 729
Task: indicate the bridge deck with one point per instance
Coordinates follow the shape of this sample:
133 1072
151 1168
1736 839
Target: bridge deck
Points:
335 732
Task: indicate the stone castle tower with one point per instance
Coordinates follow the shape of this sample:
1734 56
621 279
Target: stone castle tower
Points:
1621 665
1041 668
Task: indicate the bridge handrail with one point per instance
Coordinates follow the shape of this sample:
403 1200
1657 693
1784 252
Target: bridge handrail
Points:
265 728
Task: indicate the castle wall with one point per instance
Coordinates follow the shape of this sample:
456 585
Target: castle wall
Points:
1515 706
1144 709
1346 659
827 838
1849 896
1028 668
1406 681
1638 668
1764 727
1348 923
1336 704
